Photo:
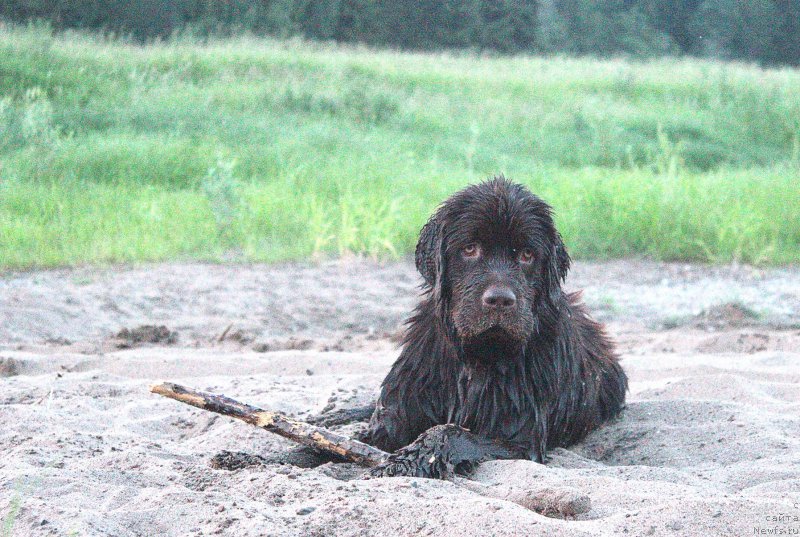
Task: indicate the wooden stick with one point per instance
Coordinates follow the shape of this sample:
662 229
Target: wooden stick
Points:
559 503
274 422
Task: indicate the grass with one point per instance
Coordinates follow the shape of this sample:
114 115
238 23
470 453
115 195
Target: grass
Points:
264 150
10 518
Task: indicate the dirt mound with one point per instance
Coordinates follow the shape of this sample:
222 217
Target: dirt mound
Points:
129 338
8 367
728 315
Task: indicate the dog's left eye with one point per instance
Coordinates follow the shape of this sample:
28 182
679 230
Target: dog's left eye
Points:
471 250
526 255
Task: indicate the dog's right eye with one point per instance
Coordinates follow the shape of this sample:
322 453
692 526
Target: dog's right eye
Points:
471 251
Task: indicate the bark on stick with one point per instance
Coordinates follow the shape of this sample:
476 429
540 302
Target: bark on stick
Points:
274 422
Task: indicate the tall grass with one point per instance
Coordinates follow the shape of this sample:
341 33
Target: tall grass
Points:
264 150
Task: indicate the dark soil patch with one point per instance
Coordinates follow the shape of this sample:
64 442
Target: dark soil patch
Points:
8 367
728 315
128 338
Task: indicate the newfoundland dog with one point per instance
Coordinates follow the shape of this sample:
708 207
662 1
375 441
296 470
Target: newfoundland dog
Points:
498 361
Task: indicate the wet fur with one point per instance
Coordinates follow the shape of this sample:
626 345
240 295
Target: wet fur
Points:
546 378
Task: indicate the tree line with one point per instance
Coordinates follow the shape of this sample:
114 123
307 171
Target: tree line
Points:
765 31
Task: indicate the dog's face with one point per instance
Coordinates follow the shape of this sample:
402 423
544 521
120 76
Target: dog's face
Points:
494 262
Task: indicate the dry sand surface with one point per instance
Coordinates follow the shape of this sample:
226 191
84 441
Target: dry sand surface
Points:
709 444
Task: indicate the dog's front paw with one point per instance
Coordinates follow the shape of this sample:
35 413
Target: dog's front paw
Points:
396 465
428 456
344 416
442 452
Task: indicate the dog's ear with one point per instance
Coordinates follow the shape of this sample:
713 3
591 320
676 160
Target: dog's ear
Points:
557 267
429 255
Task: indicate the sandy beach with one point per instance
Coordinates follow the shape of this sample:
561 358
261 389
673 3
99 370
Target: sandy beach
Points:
708 445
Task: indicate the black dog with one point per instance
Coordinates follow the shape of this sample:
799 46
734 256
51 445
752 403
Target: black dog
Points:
496 351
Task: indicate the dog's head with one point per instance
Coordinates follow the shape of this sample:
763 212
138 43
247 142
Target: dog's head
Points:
494 263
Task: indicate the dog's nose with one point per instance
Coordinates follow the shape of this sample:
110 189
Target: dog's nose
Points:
499 296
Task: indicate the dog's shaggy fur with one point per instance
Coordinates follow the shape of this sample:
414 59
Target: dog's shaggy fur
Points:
496 347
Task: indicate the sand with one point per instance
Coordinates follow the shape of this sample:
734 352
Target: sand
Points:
709 443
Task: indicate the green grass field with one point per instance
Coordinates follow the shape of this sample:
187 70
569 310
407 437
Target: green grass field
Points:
262 150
